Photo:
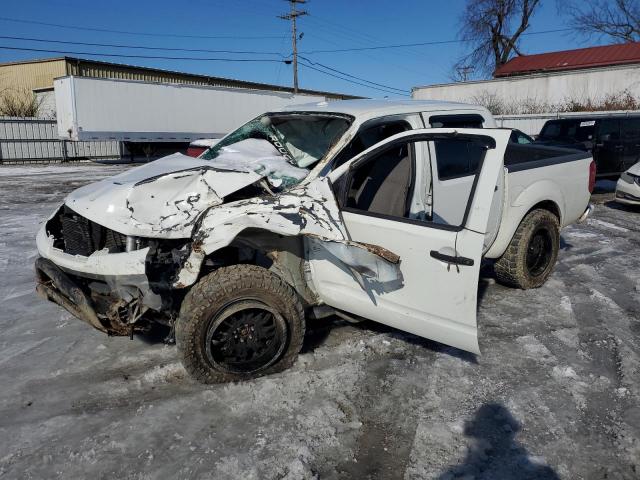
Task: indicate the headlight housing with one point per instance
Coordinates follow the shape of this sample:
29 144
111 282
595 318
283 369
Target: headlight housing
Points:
630 178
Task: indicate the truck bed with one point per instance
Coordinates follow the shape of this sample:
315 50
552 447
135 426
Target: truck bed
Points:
538 177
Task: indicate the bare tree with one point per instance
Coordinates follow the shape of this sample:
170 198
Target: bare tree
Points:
19 103
492 30
617 19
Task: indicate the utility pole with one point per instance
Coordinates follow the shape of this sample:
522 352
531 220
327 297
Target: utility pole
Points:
464 71
293 15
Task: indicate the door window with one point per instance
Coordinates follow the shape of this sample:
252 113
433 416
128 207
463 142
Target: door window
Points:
383 184
584 131
456 158
609 127
457 161
568 130
551 130
631 129
630 144
368 136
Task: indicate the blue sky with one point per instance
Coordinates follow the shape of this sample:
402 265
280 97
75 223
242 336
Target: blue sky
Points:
332 24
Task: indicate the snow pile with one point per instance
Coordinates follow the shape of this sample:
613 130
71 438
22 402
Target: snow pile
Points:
164 374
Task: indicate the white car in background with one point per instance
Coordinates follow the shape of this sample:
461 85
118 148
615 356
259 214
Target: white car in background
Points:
628 187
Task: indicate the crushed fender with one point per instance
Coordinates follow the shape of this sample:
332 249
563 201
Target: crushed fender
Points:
308 211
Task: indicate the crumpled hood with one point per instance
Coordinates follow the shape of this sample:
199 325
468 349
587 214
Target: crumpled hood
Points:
159 199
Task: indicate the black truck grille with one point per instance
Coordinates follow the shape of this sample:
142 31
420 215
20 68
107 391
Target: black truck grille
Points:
80 236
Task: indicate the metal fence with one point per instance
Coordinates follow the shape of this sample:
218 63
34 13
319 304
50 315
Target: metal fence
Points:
25 140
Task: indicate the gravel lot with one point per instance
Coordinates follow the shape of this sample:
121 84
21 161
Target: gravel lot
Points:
555 394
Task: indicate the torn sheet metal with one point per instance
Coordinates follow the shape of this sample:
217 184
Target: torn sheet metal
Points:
364 260
174 201
163 199
310 210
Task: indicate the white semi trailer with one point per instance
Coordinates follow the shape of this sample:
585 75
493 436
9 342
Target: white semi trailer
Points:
145 112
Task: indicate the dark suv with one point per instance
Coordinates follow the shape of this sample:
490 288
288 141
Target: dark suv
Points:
613 140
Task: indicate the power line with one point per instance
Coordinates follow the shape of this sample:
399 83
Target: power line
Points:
346 29
355 36
147 34
373 56
139 47
349 80
155 57
352 76
417 44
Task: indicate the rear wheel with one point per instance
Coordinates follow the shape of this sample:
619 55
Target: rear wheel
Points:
532 253
237 323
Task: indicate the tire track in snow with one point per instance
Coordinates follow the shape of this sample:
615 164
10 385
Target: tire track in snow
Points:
386 438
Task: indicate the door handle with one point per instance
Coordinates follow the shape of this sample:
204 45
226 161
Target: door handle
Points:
467 262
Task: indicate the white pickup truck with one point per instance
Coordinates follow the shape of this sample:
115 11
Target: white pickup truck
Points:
366 209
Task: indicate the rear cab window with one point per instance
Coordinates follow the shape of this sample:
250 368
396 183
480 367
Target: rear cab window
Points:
520 138
456 121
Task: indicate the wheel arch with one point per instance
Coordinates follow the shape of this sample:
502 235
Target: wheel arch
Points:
549 205
516 213
283 255
525 263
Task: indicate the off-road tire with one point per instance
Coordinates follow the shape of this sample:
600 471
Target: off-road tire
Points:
211 295
511 269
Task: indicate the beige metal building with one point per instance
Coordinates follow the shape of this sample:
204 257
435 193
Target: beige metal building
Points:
38 74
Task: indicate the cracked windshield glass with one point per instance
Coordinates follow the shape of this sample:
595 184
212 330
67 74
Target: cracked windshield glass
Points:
283 147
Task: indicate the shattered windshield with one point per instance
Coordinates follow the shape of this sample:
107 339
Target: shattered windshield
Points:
281 146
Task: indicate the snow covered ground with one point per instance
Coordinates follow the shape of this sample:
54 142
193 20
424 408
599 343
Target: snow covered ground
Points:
555 394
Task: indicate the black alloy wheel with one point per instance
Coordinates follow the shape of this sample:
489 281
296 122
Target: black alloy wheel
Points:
245 336
539 251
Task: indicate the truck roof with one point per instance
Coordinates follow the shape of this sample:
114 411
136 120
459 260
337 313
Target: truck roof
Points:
377 108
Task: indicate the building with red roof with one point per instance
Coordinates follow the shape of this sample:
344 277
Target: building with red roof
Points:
584 76
566 60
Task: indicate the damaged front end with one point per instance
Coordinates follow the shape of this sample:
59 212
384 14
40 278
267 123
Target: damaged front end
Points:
112 311
101 276
121 254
